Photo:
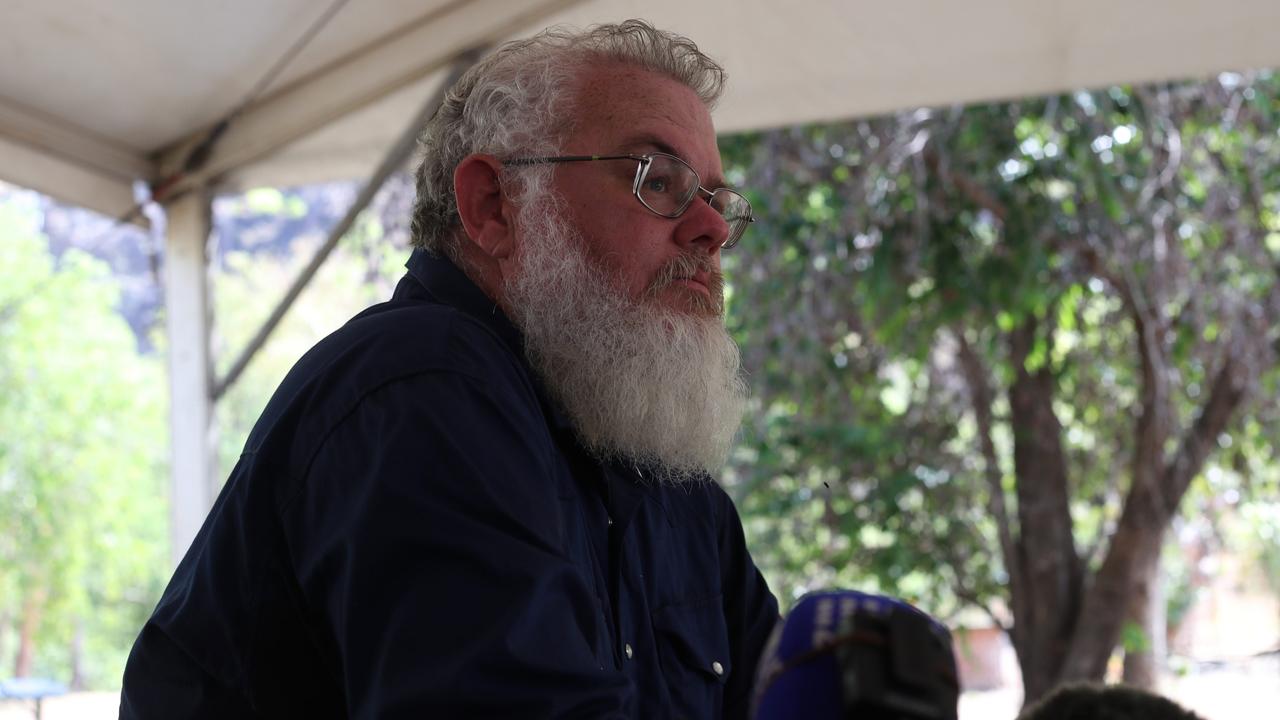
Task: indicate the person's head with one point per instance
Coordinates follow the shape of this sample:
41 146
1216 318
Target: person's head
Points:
620 303
1098 702
535 97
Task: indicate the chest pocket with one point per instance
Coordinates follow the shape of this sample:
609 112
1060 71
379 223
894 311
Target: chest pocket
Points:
693 648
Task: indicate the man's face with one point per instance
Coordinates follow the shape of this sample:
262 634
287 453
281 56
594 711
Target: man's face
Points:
625 110
642 381
643 367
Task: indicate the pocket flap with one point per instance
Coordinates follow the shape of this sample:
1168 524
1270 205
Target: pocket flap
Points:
696 635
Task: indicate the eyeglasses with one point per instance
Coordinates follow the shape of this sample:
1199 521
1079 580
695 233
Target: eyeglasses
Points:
667 186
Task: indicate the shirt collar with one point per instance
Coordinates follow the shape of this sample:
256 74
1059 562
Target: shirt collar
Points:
446 283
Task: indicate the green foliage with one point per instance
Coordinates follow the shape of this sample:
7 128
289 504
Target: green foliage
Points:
83 481
83 528
886 245
1133 638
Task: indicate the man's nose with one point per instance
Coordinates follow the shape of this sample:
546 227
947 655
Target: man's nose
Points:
702 225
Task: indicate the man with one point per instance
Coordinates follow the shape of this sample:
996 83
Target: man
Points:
489 497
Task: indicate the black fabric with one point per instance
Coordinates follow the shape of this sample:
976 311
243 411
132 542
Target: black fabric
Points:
412 531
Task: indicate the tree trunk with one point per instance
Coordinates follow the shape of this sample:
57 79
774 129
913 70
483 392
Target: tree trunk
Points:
5 619
1148 509
1052 572
32 608
1135 545
1143 665
77 656
982 399
1151 434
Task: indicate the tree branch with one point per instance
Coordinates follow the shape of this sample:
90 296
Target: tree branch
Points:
1225 395
967 186
966 595
981 398
1154 423
1106 529
962 589
1167 157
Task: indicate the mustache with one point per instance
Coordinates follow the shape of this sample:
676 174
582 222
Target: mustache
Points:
686 265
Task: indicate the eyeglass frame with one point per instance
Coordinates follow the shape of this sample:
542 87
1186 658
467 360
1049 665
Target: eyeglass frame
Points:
642 171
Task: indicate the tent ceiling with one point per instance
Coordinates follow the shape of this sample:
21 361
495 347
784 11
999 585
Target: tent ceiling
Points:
93 94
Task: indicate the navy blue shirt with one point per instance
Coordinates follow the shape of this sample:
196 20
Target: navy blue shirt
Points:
413 531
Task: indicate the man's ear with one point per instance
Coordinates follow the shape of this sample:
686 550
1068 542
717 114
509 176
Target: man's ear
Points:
484 209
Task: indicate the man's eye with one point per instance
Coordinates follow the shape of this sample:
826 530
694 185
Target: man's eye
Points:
657 184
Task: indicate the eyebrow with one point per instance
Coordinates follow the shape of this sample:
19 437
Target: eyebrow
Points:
653 141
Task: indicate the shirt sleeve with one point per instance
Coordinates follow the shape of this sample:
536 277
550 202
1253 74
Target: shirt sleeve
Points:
426 540
751 610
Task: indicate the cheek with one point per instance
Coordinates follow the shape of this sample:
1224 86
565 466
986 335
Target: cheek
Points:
641 279
640 266
631 249
632 271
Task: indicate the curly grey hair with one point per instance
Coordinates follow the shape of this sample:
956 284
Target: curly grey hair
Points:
516 102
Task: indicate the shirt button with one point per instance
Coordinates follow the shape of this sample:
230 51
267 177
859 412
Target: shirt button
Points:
627 649
610 520
717 668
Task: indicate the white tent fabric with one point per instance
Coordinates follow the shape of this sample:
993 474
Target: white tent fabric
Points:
94 95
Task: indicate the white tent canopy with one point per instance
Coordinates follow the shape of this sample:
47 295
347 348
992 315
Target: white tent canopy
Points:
95 96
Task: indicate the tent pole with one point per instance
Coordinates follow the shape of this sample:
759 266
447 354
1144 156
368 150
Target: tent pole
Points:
187 313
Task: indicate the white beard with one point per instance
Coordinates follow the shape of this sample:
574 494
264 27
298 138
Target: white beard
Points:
640 382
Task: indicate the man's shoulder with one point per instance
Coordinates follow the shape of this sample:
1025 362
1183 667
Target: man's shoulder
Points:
391 343
409 336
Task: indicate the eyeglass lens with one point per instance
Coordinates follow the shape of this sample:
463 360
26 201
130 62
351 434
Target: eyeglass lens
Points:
668 185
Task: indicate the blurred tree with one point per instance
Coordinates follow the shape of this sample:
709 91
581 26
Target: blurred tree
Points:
82 503
1018 326
83 513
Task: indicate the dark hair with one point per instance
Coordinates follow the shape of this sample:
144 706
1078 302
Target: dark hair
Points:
1099 702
